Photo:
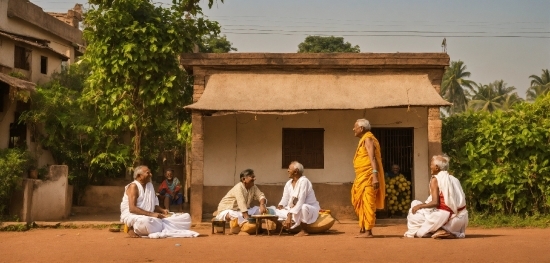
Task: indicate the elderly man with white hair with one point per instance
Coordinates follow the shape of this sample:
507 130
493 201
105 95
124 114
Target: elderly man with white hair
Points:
299 206
140 211
444 213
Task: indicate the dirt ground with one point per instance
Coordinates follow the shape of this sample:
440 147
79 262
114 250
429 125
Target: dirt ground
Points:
100 245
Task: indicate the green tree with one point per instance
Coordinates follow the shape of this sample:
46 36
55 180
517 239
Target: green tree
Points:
492 97
539 85
510 100
332 44
216 44
135 79
453 86
60 124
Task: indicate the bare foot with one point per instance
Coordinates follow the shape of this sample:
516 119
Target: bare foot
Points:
302 234
132 234
366 234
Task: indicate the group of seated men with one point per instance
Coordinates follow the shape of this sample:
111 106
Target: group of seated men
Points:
442 215
298 206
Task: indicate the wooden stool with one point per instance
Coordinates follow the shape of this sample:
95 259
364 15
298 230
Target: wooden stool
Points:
215 223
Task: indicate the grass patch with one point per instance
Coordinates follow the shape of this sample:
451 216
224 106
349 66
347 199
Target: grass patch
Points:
489 220
16 227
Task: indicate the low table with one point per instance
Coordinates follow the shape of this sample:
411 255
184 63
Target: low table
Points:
264 218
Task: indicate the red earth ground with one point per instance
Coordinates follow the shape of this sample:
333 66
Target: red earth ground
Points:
338 245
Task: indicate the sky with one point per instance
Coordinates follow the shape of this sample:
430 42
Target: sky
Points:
496 39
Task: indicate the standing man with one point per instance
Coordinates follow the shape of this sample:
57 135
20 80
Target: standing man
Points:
368 190
395 171
298 204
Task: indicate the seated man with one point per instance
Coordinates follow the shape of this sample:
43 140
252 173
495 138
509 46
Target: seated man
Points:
236 203
169 191
141 212
298 204
444 213
395 171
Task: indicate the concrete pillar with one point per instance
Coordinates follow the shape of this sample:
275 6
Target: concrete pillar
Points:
197 153
434 132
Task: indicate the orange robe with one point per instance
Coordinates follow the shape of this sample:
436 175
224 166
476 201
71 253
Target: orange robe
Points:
364 198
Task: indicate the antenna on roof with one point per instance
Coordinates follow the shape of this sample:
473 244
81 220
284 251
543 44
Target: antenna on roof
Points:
444 45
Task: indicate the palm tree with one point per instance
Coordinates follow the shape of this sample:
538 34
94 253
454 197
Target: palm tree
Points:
510 100
493 96
539 85
453 84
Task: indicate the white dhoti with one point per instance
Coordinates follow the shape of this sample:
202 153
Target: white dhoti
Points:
307 214
429 220
175 226
255 210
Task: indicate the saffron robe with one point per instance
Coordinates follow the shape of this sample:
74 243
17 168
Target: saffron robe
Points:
364 198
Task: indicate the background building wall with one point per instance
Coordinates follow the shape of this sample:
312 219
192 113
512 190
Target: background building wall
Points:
233 143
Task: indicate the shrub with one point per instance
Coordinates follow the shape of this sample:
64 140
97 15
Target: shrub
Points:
13 163
502 158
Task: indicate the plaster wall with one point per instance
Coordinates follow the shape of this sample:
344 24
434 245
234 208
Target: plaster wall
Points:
7 48
39 200
233 143
20 26
49 198
54 65
106 197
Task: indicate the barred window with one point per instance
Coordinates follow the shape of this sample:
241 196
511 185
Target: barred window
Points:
305 145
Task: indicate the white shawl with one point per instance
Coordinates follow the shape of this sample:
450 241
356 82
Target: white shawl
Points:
452 191
147 200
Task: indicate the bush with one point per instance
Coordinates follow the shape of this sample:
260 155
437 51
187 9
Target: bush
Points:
13 163
502 158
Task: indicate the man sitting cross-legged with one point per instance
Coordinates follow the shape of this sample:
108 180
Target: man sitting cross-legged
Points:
298 207
444 214
141 212
235 205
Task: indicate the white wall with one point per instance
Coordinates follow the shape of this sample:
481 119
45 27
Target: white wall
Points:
233 143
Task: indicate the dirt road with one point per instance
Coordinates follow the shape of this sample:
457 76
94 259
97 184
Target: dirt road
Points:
93 245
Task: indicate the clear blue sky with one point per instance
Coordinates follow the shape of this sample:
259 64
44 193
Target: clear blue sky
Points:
497 39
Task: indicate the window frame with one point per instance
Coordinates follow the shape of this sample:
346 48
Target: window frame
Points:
308 154
44 65
21 58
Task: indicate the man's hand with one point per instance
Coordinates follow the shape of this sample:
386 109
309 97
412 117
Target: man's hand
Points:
415 208
288 222
245 215
263 209
158 215
280 207
375 184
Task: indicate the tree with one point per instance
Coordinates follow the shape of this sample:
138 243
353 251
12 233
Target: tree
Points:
136 82
539 85
493 96
510 100
216 44
453 84
332 44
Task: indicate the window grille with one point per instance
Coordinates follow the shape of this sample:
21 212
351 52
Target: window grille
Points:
305 145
